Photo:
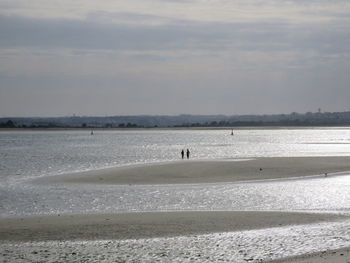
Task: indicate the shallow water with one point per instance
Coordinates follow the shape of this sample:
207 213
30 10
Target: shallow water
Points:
31 154
318 194
27 155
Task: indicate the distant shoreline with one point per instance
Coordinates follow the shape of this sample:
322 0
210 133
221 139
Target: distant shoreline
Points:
179 128
294 119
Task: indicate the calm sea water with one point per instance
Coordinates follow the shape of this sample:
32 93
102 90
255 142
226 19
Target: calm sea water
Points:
26 154
30 154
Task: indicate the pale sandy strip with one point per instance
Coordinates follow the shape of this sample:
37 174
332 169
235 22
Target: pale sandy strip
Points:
187 172
329 256
148 224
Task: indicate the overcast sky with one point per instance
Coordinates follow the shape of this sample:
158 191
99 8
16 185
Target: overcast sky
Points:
117 57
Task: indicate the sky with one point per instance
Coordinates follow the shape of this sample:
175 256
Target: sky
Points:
169 57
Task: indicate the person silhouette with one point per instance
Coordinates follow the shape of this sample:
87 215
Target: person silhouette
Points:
182 153
188 154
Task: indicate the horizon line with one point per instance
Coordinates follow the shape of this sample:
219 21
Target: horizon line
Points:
169 115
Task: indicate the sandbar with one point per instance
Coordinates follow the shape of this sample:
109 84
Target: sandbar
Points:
192 172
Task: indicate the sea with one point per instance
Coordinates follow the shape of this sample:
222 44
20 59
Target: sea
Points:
26 156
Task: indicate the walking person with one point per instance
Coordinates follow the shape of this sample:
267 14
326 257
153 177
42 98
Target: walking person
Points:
188 154
182 153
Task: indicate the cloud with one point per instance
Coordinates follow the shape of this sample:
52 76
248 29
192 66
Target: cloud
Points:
139 59
22 32
223 11
59 46
94 34
132 19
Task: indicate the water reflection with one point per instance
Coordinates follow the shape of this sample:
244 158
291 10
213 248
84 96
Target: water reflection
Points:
35 154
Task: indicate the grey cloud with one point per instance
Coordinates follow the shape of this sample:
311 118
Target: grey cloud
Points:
22 32
331 39
310 2
9 5
299 91
88 34
130 18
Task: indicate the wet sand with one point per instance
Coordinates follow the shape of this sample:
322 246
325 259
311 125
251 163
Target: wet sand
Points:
148 224
329 256
187 171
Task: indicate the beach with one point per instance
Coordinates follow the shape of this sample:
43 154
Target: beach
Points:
27 235
328 256
148 224
192 172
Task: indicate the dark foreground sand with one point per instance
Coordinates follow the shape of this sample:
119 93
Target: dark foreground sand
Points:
184 172
147 225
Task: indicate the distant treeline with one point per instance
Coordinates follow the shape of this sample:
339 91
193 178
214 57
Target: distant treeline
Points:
112 125
146 121
11 124
264 123
7 124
